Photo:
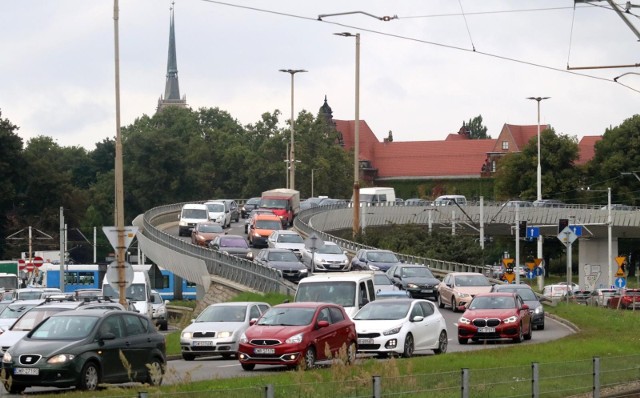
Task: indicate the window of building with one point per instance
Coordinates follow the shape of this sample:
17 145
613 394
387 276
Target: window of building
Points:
493 166
505 145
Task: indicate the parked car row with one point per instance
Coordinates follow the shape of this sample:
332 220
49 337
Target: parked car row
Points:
220 211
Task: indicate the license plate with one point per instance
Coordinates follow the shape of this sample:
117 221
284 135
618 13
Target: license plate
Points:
486 330
264 350
426 291
365 341
27 371
334 265
202 343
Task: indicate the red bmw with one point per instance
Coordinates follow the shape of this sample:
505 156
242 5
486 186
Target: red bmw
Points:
298 334
495 316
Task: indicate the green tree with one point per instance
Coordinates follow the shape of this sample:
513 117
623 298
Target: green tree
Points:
477 130
516 175
12 168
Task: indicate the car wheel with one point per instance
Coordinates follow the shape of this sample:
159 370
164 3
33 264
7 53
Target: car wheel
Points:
529 333
462 341
440 303
443 342
408 346
155 372
14 388
188 357
163 324
541 327
454 306
248 366
520 335
89 377
309 361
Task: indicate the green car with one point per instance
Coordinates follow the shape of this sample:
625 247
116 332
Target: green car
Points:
84 348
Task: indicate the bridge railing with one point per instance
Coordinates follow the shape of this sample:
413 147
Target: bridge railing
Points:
235 269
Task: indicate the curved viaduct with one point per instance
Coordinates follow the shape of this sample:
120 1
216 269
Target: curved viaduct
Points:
207 268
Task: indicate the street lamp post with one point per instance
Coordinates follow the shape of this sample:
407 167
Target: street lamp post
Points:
292 157
356 143
539 185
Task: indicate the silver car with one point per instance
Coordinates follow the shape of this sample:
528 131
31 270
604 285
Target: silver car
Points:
286 239
218 328
329 257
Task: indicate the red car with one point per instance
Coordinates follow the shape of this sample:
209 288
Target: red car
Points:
298 335
494 316
630 299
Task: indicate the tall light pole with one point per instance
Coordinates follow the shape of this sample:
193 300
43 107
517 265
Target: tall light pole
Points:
356 139
292 157
539 185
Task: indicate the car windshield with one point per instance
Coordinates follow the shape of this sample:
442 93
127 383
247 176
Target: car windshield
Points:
210 228
287 317
525 294
223 313
390 310
492 302
194 213
34 295
329 249
472 280
290 238
382 257
31 318
409 272
234 242
253 201
135 292
268 224
215 207
274 203
381 279
341 293
65 328
283 256
14 311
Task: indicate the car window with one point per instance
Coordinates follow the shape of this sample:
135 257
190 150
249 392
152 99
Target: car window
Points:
254 313
336 314
371 292
263 308
64 328
111 325
416 311
324 315
133 326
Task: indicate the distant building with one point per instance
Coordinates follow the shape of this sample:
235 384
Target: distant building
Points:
172 89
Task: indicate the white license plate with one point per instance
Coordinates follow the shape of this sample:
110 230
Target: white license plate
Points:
365 341
486 330
27 371
426 291
202 343
264 350
334 265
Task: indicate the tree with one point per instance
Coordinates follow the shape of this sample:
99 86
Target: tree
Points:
477 131
516 175
11 173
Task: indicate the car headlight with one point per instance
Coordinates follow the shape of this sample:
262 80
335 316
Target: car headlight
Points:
250 255
372 267
243 338
219 218
256 235
6 358
61 358
304 271
464 320
187 335
539 310
182 223
224 335
295 339
161 311
511 319
200 238
412 286
461 295
391 331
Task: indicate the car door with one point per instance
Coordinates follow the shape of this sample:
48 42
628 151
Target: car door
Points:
137 344
418 328
432 322
113 368
341 335
445 292
324 337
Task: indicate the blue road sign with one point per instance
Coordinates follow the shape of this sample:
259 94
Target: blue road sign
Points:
620 283
531 274
533 232
538 271
577 229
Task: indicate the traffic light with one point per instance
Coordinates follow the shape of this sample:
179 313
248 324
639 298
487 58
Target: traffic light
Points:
562 224
523 229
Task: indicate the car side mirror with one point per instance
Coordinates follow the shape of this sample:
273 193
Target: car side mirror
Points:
397 276
462 308
152 299
525 307
322 324
417 318
166 302
107 336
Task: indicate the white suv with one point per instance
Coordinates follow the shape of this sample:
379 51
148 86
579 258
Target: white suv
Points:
219 212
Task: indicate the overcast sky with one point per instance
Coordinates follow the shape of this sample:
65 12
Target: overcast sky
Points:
419 75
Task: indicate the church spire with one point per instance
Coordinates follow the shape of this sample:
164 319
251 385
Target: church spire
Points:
172 88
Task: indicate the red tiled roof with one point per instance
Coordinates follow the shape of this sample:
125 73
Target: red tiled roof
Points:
587 148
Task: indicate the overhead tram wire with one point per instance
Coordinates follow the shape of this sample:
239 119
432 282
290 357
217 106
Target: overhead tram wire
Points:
467 25
421 41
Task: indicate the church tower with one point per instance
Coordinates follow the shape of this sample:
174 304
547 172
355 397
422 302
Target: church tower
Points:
172 89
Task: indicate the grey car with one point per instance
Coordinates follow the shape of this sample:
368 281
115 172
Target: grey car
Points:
529 297
283 260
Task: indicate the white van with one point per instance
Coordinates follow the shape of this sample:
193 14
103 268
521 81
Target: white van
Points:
219 212
351 290
377 196
138 293
190 215
446 200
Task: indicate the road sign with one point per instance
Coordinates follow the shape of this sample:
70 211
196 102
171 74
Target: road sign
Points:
620 283
567 236
538 271
113 276
508 264
577 229
538 262
531 266
21 264
509 276
112 235
530 274
29 267
533 232
37 261
313 242
621 260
